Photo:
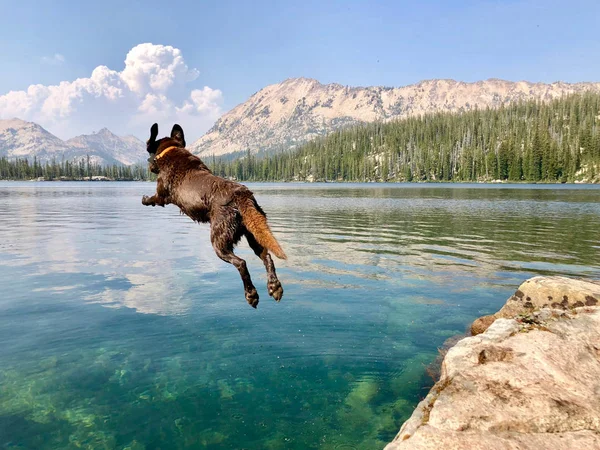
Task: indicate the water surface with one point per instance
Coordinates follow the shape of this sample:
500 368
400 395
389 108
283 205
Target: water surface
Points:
120 328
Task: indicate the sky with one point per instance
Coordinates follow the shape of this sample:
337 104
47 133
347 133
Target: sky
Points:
76 67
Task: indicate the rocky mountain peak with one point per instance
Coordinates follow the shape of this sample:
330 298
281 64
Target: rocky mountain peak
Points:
105 132
22 139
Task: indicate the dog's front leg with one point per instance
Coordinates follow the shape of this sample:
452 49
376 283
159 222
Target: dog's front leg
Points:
161 198
155 200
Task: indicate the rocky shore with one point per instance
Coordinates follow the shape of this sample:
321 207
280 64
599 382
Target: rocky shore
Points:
528 378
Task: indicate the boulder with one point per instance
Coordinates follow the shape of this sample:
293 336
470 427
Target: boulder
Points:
543 292
531 381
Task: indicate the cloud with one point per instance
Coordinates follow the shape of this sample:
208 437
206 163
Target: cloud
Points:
201 100
54 60
156 85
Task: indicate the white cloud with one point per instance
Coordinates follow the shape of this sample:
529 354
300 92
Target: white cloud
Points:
155 68
201 100
54 60
156 85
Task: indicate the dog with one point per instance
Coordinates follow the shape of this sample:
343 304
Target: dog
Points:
230 207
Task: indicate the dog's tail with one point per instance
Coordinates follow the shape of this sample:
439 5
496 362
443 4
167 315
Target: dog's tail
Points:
255 220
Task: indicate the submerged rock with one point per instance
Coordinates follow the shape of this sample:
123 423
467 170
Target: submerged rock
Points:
531 380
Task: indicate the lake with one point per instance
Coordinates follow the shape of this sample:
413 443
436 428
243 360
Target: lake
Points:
120 328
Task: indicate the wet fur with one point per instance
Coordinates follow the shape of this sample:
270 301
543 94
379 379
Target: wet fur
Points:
230 208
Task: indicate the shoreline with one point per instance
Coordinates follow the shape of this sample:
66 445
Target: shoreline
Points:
490 183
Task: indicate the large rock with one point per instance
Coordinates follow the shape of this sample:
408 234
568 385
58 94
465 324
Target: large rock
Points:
543 292
530 382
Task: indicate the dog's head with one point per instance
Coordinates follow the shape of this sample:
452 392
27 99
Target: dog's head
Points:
155 147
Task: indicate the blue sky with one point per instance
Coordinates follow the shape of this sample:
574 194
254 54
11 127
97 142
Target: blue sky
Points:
239 47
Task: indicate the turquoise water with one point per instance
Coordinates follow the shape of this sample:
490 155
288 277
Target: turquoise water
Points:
121 329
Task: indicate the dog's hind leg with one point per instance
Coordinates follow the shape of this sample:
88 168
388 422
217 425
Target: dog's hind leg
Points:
223 235
273 284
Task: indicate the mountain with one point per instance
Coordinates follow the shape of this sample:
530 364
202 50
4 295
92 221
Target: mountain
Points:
283 115
21 139
554 141
126 150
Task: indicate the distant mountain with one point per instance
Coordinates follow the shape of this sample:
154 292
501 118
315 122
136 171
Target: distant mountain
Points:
21 139
122 150
283 115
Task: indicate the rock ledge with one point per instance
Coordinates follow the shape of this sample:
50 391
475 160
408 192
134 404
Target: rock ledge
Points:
529 380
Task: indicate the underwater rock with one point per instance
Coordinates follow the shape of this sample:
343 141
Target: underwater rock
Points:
531 381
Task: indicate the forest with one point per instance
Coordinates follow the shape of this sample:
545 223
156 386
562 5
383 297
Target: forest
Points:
23 169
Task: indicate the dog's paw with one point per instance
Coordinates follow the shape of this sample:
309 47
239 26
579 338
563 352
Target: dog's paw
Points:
275 289
252 298
146 201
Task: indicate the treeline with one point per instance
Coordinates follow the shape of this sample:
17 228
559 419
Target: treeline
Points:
22 169
557 141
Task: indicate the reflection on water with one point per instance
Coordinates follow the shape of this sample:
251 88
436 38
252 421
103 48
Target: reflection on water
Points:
120 328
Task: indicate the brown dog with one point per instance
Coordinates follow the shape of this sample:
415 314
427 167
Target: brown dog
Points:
185 181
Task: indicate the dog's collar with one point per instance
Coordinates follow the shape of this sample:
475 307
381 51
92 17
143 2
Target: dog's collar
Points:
165 151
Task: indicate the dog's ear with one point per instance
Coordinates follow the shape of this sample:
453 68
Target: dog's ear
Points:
153 133
177 134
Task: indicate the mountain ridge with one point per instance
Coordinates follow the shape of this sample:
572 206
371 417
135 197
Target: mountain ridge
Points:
125 150
23 139
283 115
